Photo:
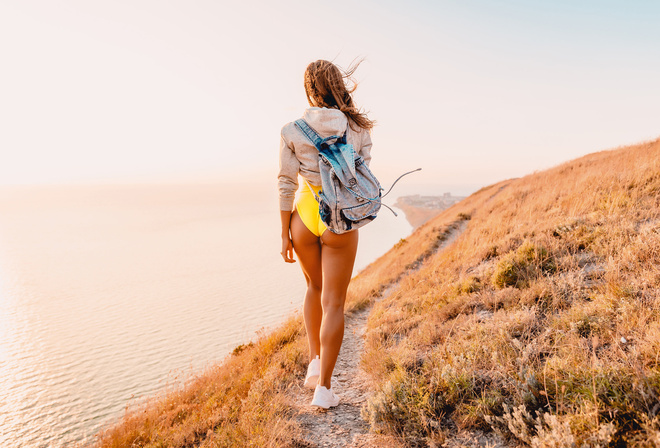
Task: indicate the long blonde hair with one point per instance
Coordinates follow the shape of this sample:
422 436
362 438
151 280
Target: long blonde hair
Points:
326 85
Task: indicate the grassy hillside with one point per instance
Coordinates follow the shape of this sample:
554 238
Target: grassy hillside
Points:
541 321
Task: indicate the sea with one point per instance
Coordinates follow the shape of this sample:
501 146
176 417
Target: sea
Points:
112 293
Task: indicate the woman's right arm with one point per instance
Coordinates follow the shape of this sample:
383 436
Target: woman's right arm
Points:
287 184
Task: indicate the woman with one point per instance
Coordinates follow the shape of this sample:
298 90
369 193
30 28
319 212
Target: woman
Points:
326 258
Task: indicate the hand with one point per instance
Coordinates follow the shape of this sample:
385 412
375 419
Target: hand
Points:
287 249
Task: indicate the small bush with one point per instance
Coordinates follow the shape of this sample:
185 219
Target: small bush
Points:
401 404
525 264
239 348
469 285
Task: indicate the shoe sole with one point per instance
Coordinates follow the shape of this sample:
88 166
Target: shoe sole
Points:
324 406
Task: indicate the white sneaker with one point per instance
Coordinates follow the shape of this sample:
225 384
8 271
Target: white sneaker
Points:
324 398
313 372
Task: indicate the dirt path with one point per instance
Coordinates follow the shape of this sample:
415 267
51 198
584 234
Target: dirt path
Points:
343 426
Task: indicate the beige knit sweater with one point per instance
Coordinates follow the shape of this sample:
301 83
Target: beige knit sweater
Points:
298 155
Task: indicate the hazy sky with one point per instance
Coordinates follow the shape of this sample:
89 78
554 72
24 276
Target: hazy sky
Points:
472 91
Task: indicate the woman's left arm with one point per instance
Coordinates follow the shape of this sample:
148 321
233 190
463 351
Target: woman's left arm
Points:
287 243
365 149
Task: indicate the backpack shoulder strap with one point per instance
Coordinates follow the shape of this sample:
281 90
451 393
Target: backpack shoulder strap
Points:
314 136
342 160
309 132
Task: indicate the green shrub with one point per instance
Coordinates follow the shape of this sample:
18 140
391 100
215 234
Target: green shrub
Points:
518 268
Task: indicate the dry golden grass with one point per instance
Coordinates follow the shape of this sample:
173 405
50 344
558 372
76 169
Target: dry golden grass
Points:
542 321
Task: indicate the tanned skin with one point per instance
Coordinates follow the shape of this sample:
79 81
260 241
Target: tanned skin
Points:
327 263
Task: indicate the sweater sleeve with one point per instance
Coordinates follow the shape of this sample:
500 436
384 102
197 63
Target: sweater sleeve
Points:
288 176
365 150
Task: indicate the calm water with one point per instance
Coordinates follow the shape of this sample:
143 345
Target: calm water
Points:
109 293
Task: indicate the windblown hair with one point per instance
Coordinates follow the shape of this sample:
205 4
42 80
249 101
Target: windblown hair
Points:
326 85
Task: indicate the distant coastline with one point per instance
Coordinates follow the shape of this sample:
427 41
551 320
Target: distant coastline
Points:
419 209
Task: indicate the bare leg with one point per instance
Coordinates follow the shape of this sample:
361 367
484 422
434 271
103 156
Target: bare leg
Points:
308 248
338 257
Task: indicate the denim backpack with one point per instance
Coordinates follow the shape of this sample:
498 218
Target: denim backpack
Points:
350 195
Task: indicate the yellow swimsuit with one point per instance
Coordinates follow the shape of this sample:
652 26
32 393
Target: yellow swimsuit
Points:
308 209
